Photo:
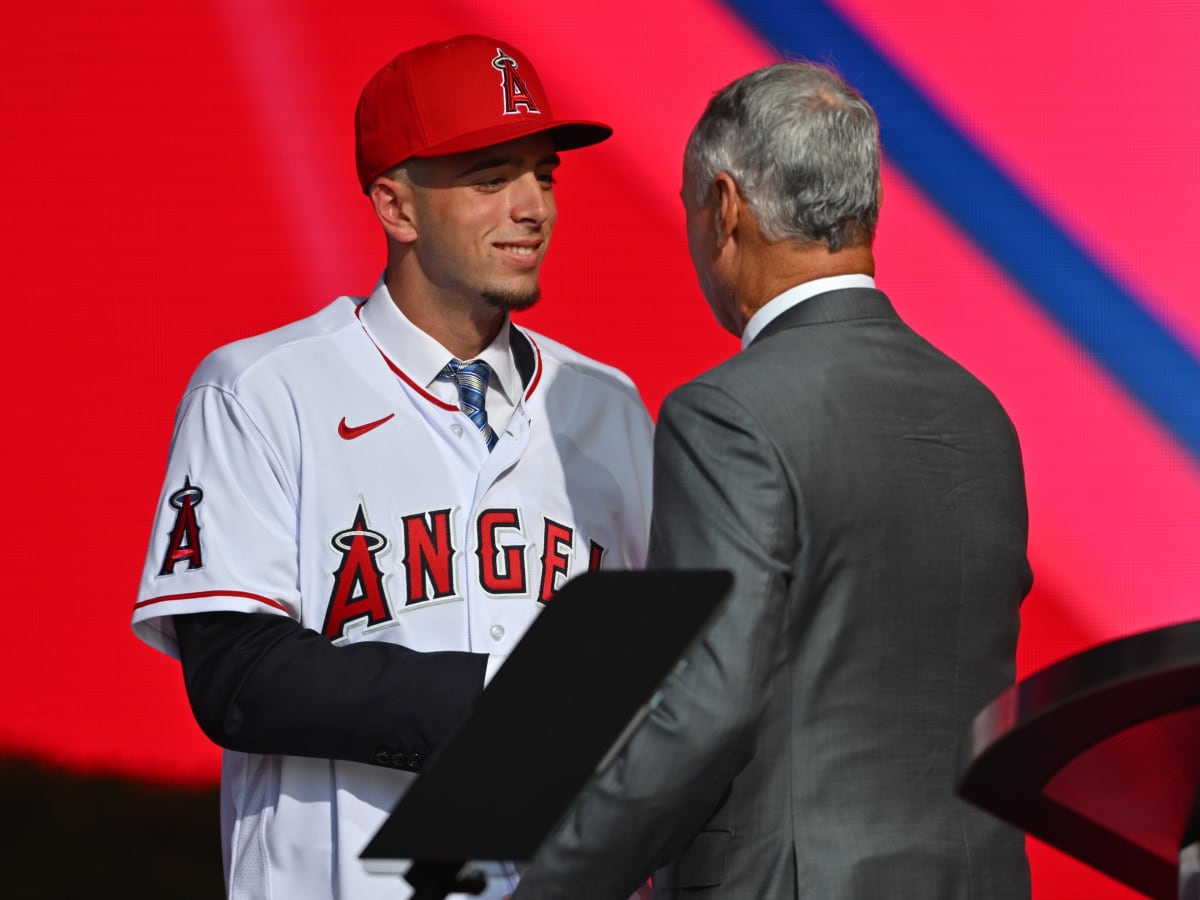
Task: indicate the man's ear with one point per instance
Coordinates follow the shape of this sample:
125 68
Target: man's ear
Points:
393 202
727 202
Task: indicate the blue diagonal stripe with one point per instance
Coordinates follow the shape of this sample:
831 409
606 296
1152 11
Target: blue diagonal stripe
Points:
1088 302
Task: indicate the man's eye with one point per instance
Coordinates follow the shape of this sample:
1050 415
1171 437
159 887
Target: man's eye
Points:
547 179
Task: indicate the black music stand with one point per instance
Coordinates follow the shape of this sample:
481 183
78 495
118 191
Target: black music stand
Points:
562 705
1099 756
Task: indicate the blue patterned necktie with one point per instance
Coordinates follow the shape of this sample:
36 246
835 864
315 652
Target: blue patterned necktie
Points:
472 380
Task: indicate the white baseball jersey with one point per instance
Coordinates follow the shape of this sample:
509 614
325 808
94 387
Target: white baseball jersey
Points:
310 476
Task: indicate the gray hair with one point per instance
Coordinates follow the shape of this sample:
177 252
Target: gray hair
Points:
803 148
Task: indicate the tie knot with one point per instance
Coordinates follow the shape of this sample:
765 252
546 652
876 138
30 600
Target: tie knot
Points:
472 381
475 372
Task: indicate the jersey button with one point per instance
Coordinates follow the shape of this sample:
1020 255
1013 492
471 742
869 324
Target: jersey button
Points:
497 632
457 429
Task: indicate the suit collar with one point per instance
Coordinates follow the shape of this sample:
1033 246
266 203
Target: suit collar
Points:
798 293
843 305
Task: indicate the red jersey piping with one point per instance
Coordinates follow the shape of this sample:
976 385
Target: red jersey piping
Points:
533 382
199 594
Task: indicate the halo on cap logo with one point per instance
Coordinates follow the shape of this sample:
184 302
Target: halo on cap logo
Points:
516 94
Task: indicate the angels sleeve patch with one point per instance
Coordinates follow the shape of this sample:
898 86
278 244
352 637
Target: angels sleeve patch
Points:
184 544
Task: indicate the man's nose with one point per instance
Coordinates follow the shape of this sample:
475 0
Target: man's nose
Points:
532 201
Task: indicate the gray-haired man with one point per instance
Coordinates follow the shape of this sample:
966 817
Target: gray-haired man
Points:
867 493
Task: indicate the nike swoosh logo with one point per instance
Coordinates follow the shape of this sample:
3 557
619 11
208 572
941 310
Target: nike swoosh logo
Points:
350 432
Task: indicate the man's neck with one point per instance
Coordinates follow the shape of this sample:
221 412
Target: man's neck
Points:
463 326
782 265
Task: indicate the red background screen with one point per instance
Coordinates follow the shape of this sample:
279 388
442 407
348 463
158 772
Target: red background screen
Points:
177 176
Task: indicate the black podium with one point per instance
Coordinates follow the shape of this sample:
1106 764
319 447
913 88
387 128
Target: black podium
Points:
564 702
1098 755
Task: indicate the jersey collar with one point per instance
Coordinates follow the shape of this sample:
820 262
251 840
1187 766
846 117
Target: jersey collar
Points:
421 357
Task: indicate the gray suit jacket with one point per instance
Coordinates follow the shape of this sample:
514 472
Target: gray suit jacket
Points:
867 493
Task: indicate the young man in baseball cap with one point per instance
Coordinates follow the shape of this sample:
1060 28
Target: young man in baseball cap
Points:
364 510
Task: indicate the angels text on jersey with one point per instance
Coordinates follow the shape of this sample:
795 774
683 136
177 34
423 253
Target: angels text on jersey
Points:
363 591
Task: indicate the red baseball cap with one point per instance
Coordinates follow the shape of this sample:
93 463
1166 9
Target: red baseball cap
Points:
453 96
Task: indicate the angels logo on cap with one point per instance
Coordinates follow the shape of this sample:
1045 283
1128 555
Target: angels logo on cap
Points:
440 98
515 92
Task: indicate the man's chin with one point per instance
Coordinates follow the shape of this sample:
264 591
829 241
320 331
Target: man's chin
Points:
512 301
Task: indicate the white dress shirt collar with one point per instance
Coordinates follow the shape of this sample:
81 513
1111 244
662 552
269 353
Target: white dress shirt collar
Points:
422 357
801 292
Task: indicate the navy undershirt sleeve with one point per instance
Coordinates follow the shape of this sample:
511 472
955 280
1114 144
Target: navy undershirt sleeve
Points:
262 683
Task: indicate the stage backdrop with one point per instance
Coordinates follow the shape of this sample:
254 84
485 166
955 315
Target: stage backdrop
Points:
180 175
